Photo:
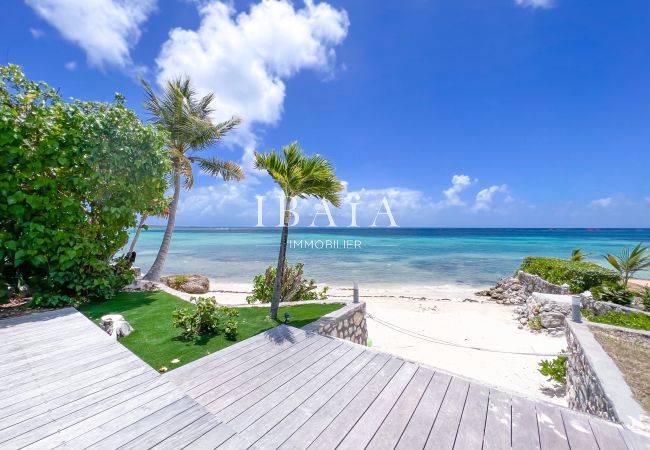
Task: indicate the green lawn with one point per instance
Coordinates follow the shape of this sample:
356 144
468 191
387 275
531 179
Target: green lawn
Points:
157 342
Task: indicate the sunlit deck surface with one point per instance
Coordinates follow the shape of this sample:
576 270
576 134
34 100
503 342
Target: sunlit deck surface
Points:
65 383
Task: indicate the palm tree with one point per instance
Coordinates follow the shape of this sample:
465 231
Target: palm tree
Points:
143 218
579 254
628 263
186 118
298 176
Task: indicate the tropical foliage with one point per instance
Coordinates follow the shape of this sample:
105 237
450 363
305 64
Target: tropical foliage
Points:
73 177
578 255
580 276
295 287
614 293
636 320
298 176
630 262
206 319
185 116
555 368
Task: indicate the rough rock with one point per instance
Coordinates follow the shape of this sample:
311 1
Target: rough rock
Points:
516 290
141 286
193 284
552 319
115 325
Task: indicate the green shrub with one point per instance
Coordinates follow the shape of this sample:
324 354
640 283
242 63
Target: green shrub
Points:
74 175
295 287
206 319
178 281
636 320
613 292
644 295
535 323
580 276
555 368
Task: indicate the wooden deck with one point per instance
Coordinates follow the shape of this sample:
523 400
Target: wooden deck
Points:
65 383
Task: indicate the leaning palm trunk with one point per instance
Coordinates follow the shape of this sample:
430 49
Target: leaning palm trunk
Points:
279 273
137 232
156 269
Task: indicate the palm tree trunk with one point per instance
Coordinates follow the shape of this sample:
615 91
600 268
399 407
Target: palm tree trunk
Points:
156 269
279 273
143 217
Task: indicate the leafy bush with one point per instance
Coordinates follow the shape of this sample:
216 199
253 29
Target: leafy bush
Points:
555 368
206 319
644 295
636 320
613 292
535 323
579 275
294 286
73 177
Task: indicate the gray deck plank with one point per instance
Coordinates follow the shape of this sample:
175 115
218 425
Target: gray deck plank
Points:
283 430
635 441
419 426
255 390
366 427
166 413
303 436
445 427
390 431
472 423
498 422
578 431
608 436
216 437
238 365
172 427
244 420
343 423
525 433
269 420
551 428
269 367
188 434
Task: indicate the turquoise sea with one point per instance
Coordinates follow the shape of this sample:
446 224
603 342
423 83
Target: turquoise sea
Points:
378 256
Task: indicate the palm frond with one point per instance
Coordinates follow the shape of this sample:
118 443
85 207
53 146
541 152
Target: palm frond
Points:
228 170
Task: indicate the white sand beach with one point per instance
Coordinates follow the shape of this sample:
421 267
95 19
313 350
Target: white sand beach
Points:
444 327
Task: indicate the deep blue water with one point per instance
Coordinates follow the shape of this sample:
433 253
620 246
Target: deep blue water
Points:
415 256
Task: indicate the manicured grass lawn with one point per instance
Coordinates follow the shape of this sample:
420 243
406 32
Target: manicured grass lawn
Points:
157 342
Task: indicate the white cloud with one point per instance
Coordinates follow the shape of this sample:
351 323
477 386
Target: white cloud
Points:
542 4
70 65
485 197
458 184
105 29
602 202
244 58
37 33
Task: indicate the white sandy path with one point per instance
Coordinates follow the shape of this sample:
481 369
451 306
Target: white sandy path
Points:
420 309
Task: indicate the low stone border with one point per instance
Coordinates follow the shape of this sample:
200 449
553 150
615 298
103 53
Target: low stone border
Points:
594 384
347 323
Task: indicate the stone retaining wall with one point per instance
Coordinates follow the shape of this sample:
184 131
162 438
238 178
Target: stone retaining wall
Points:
516 290
594 384
347 323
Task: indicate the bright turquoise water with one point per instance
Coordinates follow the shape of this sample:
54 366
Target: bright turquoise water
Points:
386 256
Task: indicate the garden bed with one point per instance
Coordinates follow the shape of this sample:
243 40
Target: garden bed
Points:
157 342
631 354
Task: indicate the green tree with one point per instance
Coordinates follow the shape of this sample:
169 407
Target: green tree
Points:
74 176
298 176
630 262
186 118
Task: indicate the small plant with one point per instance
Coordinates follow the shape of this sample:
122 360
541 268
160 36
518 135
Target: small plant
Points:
644 295
613 292
206 319
630 262
535 323
555 368
295 287
178 281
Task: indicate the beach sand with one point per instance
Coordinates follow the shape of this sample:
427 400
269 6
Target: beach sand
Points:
438 326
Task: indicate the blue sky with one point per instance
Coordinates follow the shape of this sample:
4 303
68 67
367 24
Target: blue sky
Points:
460 113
